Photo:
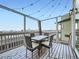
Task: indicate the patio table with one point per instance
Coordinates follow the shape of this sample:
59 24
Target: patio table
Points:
39 39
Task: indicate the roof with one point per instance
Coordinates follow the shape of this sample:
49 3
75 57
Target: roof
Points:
67 17
64 18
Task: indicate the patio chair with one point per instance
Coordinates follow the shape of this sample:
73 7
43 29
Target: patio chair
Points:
30 45
69 39
32 34
47 34
48 44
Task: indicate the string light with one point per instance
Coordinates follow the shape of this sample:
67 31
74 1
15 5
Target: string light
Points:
42 8
55 7
31 4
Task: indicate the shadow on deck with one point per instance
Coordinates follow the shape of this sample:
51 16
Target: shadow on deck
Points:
59 51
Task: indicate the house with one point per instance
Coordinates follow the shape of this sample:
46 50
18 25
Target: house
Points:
65 25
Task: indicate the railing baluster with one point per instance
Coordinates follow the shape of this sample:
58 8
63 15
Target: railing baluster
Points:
1 43
19 39
5 43
13 41
9 41
16 40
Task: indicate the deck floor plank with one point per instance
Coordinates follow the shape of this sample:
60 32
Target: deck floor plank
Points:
65 49
59 51
64 52
57 56
68 53
53 50
60 55
71 53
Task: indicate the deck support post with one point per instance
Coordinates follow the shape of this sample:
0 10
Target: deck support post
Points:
25 33
24 24
73 31
39 26
57 34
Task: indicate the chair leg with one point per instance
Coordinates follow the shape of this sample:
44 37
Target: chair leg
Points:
49 54
26 53
51 49
32 54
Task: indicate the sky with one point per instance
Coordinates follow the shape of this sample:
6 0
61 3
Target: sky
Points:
40 9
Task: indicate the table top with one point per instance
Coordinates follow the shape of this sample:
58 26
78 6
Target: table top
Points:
39 37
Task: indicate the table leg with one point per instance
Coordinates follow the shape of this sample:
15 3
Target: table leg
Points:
39 49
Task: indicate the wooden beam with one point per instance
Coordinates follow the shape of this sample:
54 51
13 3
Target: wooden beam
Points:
50 18
12 10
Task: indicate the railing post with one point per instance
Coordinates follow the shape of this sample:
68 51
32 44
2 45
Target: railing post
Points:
57 34
61 31
39 26
73 24
1 44
25 33
24 24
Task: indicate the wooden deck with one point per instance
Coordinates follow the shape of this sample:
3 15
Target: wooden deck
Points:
59 51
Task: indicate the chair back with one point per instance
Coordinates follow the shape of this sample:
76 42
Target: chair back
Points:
28 41
51 40
32 34
47 34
